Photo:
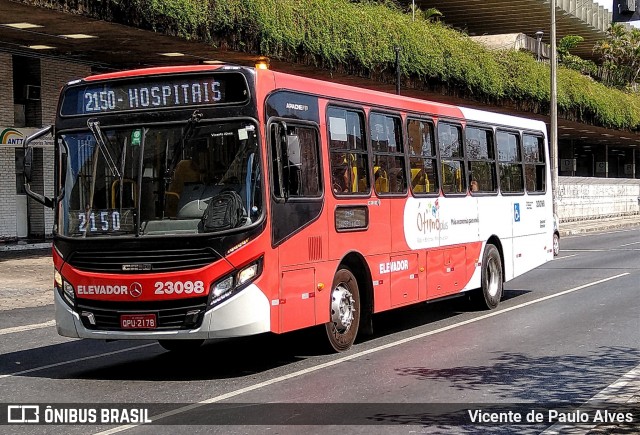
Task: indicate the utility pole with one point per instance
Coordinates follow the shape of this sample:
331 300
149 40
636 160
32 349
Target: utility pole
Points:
554 111
398 70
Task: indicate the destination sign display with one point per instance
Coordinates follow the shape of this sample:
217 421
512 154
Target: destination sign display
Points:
160 92
351 218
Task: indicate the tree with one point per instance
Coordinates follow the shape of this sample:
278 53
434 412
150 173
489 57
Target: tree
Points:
620 56
432 14
571 61
567 43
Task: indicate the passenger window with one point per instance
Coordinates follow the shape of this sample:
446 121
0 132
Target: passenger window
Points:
534 163
388 154
510 162
422 157
349 161
452 158
481 160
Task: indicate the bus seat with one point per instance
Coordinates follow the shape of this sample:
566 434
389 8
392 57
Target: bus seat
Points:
419 182
186 171
396 180
129 191
382 180
354 179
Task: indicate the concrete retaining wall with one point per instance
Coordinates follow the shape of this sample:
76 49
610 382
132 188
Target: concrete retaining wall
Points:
583 198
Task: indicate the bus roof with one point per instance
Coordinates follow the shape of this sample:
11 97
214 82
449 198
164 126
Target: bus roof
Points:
338 91
152 71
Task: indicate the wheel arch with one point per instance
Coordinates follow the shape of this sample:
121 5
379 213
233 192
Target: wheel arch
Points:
358 265
495 241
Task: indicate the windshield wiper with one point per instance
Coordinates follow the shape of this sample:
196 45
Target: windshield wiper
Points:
196 116
94 126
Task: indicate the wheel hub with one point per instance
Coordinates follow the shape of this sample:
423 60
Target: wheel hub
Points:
493 274
342 308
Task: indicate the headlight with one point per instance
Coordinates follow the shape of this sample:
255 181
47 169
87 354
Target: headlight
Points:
234 282
223 286
57 278
65 289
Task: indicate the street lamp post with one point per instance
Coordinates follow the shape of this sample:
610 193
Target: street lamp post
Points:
554 110
539 34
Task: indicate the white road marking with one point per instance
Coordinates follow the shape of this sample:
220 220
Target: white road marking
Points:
629 244
596 233
618 393
565 256
349 358
27 327
601 250
86 358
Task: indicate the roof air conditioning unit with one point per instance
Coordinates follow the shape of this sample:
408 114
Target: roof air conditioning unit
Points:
32 92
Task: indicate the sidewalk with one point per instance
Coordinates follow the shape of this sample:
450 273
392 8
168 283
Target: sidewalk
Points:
599 225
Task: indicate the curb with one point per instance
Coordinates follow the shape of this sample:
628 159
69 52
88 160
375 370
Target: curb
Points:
597 228
25 247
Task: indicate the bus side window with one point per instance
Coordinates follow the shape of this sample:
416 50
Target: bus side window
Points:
534 164
452 158
388 153
422 157
481 160
510 162
349 161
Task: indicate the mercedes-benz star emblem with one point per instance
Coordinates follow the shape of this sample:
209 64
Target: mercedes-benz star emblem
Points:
135 289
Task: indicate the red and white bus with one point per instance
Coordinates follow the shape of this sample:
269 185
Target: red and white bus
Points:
208 202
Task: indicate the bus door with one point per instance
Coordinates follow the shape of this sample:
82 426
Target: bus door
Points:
297 232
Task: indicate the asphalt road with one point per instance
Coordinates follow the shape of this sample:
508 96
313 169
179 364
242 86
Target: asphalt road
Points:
565 335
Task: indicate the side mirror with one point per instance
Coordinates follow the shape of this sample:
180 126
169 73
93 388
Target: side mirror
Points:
28 167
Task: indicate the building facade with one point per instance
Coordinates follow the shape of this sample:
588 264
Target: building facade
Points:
30 89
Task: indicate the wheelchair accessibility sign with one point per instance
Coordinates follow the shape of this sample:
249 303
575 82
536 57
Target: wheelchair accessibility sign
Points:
516 212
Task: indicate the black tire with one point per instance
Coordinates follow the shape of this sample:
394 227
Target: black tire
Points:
344 313
180 345
556 244
489 295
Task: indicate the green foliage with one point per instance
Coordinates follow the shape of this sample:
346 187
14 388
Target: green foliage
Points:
430 14
621 56
361 36
566 44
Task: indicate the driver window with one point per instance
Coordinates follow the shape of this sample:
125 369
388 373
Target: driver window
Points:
300 162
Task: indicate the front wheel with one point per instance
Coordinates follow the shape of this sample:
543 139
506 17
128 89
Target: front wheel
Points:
180 345
345 311
489 295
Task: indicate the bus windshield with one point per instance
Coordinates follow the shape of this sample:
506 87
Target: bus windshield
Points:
156 180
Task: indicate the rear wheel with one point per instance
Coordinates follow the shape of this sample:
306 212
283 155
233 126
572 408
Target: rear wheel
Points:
489 295
180 345
342 327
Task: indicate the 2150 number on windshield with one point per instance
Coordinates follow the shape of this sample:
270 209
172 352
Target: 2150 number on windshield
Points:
104 221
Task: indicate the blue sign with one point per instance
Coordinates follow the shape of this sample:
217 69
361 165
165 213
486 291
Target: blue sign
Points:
516 212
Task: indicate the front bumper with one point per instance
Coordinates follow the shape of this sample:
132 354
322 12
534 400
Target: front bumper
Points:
246 313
